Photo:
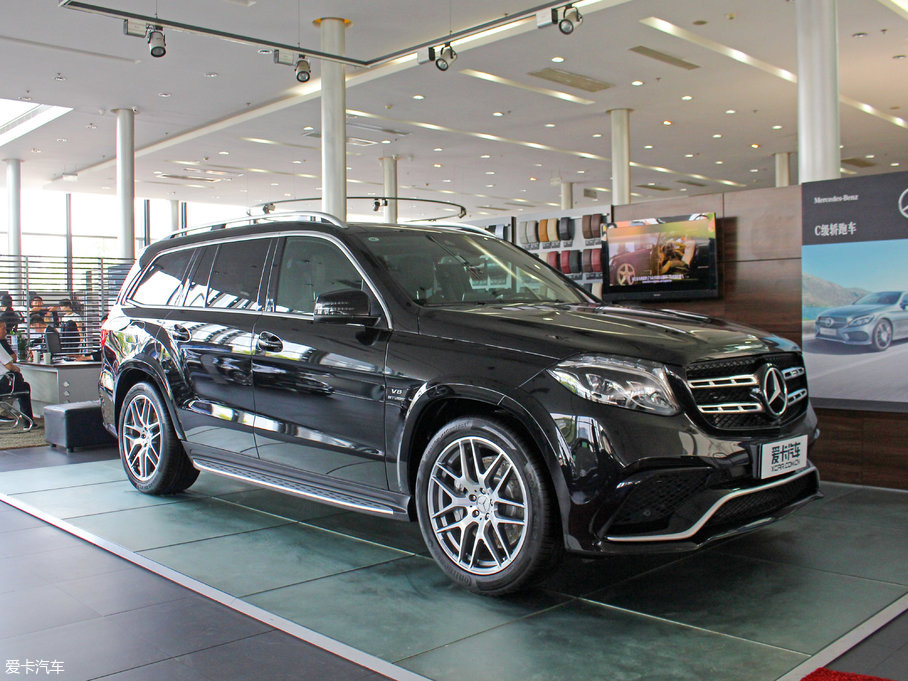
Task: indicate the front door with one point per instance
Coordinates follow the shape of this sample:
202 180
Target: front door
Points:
319 387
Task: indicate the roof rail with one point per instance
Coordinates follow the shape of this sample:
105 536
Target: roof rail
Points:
267 218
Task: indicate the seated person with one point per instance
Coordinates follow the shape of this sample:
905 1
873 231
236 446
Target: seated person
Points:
37 328
70 327
8 315
11 380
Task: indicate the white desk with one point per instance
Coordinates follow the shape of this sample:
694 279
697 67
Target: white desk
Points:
61 383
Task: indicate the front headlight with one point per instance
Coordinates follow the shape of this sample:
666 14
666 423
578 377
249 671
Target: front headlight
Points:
860 321
618 381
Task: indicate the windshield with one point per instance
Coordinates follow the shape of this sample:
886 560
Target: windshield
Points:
879 298
438 268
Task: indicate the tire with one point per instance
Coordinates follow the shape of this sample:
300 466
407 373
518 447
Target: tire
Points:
486 509
882 335
152 456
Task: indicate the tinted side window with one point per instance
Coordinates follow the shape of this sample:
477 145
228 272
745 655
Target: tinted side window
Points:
198 283
235 277
309 267
161 281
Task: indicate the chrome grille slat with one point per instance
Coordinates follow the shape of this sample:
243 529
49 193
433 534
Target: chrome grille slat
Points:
730 381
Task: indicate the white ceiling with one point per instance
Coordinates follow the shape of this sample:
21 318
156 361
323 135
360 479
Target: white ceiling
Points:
252 98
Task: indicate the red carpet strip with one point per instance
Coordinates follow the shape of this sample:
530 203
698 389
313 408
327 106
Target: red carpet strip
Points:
824 674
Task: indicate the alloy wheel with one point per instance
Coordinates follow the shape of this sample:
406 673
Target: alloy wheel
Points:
141 436
477 503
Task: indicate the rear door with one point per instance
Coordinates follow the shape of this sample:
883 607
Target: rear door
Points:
213 332
319 387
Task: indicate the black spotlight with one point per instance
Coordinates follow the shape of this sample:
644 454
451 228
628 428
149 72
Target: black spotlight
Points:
376 205
303 70
445 57
156 45
570 20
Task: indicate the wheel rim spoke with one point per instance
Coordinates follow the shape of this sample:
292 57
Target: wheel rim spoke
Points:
140 438
478 505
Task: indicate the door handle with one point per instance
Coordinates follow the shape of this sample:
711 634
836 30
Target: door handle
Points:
180 333
268 342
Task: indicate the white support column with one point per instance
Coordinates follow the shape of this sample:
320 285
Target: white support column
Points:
567 195
389 173
783 168
621 156
126 181
819 157
334 123
14 202
174 215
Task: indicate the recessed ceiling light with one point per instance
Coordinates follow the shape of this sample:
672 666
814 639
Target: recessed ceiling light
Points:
869 155
274 184
651 184
264 50
777 127
581 172
308 128
490 185
557 60
900 56
212 74
91 126
894 164
485 156
718 163
666 122
700 22
418 98
686 98
550 125
243 191
688 155
538 165
647 146
717 136
730 111
105 187
62 139
754 146
60 77
36 150
755 170
386 141
224 153
597 135
532 179
164 94
859 34
438 149
296 162
683 189
436 165
25 98
490 172
446 180
497 114
287 195
636 83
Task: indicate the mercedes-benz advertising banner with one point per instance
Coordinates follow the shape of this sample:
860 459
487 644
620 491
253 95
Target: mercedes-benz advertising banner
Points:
855 291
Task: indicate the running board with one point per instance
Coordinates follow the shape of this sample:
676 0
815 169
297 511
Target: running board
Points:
293 487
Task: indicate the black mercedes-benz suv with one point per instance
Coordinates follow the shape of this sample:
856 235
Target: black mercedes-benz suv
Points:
447 376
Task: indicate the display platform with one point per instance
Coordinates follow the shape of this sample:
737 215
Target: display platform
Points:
774 604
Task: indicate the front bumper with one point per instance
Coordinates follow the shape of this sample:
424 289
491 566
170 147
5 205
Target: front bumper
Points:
850 335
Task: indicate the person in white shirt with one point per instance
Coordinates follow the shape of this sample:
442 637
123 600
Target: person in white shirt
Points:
11 379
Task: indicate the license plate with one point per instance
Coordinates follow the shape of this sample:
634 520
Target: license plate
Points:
784 456
826 332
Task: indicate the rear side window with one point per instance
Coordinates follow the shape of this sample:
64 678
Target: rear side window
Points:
198 283
237 272
161 281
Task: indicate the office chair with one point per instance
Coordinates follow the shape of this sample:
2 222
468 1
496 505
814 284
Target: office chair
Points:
52 343
10 416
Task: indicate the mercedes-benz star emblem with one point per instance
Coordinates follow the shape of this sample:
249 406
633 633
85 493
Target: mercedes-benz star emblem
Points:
903 204
775 392
828 321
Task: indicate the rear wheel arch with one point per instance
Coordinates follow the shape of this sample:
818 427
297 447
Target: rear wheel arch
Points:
136 374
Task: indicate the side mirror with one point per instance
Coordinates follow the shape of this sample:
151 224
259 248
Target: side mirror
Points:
349 306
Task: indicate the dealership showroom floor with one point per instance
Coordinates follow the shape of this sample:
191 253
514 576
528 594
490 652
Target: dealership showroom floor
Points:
254 584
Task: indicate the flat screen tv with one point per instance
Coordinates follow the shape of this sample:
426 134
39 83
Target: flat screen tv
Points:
668 258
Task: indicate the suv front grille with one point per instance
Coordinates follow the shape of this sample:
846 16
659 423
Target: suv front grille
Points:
728 393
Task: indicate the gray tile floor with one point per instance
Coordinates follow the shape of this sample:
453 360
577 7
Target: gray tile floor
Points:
784 593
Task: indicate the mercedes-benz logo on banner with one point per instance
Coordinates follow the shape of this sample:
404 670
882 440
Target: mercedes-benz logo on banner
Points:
775 392
828 321
903 204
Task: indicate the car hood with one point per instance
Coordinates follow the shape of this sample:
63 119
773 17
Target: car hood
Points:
560 331
851 311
